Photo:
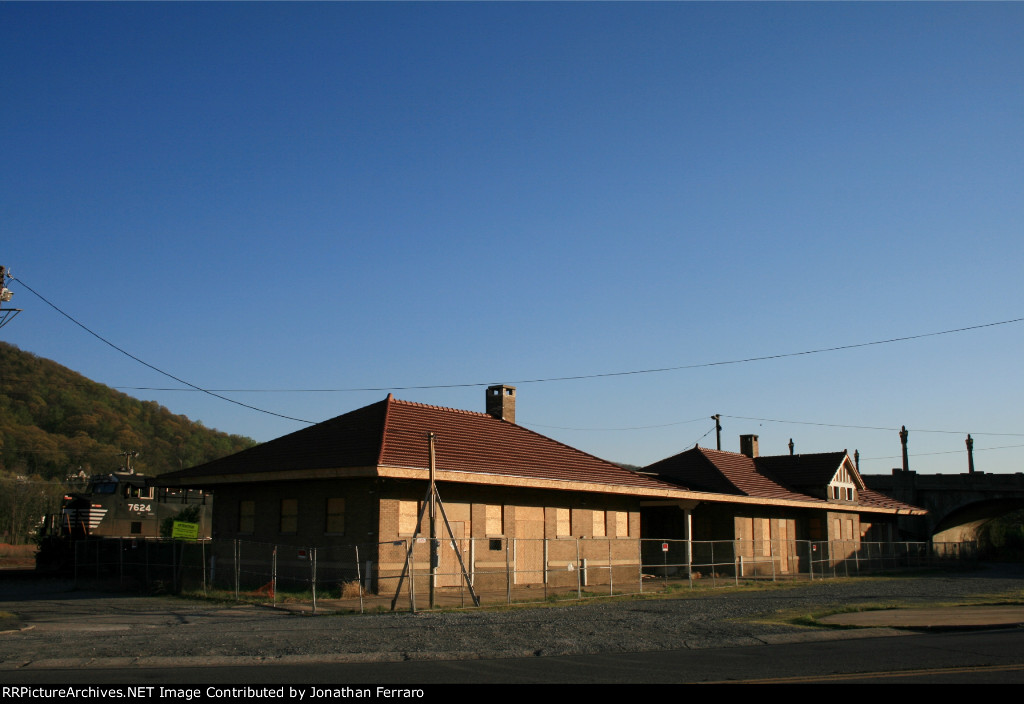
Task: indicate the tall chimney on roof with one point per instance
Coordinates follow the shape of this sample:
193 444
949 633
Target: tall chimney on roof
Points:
748 445
501 402
904 434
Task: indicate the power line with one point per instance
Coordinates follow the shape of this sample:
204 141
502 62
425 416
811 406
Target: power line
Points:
575 377
944 452
216 392
150 366
869 427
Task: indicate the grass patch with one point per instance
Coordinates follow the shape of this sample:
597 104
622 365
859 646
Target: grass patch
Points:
9 621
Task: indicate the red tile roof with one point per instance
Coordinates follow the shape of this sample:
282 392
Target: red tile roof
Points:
803 472
393 434
790 477
722 472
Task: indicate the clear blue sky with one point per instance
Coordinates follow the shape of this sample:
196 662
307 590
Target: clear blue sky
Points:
322 195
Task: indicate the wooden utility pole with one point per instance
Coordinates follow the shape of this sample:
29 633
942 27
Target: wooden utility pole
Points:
718 430
432 500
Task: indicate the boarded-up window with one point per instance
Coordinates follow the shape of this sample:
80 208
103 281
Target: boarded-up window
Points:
494 519
289 515
848 529
563 522
600 530
335 517
765 536
246 516
621 524
407 517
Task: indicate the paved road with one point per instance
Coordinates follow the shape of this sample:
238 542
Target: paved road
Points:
83 632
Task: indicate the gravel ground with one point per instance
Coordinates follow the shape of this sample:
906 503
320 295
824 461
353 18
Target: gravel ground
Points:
61 626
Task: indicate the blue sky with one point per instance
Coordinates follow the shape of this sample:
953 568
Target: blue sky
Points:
340 196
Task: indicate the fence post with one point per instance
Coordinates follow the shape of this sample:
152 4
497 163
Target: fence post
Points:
689 562
579 572
412 576
546 557
810 558
508 575
714 578
235 557
771 554
203 558
273 575
358 577
737 561
312 567
664 560
640 563
611 579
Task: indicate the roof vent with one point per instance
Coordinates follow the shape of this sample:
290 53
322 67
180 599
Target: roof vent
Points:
501 402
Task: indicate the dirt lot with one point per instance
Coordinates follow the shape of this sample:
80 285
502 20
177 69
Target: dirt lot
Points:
60 627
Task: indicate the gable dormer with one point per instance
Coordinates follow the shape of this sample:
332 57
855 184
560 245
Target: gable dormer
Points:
845 484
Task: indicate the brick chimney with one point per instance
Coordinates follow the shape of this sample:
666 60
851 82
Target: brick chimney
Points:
501 402
748 445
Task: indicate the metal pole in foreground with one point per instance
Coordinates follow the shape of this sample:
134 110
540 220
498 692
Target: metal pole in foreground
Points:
433 525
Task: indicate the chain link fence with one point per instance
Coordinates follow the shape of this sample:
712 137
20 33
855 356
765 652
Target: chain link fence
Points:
400 575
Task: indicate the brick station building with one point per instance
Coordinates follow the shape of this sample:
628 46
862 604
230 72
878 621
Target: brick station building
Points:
517 502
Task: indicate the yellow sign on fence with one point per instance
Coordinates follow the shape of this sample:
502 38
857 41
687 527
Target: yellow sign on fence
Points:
185 531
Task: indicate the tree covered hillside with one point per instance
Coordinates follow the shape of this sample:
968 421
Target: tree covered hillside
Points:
55 422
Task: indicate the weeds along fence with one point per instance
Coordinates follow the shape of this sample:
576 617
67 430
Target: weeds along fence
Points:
398 575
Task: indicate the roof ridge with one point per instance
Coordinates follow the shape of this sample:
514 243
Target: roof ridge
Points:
384 427
439 408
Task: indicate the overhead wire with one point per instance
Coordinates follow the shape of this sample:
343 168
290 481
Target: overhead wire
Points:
216 393
601 375
154 368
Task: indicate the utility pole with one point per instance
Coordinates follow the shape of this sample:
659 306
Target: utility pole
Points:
6 314
434 552
970 454
718 430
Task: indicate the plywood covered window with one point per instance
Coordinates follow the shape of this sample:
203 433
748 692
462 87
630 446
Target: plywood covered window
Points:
563 522
247 517
408 513
289 515
494 519
335 517
600 529
621 524
763 526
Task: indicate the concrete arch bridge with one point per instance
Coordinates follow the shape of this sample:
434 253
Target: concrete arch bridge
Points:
958 504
